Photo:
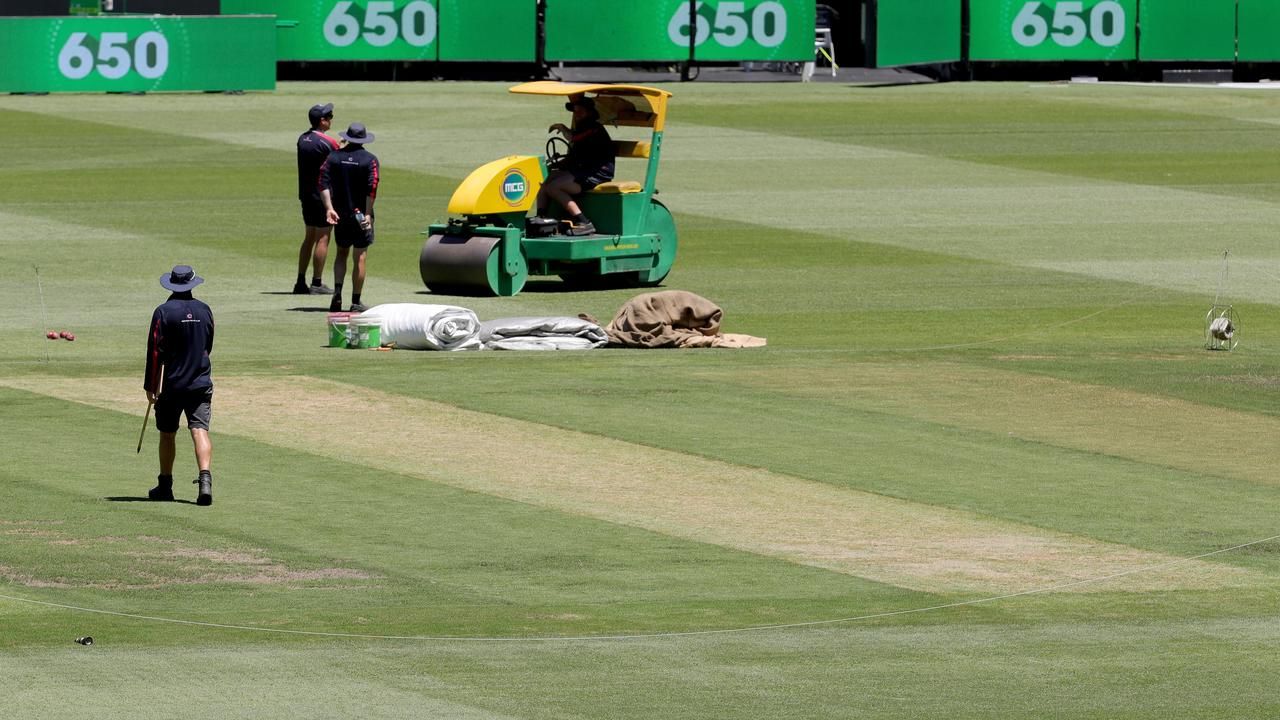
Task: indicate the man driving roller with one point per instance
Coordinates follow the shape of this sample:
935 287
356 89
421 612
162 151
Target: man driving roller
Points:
591 161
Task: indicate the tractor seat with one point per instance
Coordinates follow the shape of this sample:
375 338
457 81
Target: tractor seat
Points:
616 187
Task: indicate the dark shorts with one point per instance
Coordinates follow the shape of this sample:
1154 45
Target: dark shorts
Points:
196 404
347 233
313 214
587 182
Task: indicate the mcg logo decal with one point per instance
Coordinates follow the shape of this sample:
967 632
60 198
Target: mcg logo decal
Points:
514 187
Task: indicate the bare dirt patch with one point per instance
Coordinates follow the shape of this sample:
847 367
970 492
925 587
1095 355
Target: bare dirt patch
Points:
1252 380
29 523
146 562
884 539
30 532
1019 358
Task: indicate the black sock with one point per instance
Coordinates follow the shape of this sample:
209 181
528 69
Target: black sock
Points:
164 479
337 290
355 299
315 281
580 218
302 279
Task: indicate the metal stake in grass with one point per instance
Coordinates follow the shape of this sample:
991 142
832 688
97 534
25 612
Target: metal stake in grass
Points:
44 317
1221 326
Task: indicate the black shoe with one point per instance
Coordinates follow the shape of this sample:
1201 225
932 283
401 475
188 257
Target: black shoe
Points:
301 289
320 289
335 305
580 229
538 226
358 307
163 489
205 496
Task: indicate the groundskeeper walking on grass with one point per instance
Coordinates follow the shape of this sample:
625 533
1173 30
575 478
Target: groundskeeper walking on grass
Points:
178 378
348 186
314 147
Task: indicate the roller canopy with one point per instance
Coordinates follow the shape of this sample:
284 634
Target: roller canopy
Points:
634 105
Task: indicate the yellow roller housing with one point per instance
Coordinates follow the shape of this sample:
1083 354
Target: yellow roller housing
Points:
506 185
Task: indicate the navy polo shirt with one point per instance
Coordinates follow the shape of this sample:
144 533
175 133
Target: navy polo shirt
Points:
351 175
181 337
313 148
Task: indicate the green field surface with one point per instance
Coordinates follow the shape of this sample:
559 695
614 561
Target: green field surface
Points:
985 467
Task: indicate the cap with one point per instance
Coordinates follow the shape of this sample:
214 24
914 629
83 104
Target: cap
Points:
320 111
582 100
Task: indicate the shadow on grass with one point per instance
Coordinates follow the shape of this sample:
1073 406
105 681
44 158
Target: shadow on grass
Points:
309 309
552 287
130 498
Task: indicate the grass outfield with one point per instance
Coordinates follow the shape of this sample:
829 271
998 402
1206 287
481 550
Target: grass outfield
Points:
984 393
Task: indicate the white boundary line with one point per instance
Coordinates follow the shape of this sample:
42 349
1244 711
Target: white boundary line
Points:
656 635
1092 81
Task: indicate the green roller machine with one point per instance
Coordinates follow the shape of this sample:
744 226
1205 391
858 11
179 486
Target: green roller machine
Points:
487 248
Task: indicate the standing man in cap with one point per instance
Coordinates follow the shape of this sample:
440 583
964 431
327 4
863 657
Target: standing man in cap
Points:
178 346
313 147
348 186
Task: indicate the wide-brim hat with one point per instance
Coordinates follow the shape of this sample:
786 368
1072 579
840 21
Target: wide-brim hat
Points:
357 134
181 279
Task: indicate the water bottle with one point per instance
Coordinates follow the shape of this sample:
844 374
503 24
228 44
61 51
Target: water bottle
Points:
359 217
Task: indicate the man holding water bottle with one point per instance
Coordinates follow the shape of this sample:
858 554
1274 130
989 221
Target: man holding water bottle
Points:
348 186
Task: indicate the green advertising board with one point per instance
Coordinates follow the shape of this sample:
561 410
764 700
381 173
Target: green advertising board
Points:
917 32
493 30
662 30
579 30
733 30
1052 30
85 7
1203 30
348 30
1259 36
137 53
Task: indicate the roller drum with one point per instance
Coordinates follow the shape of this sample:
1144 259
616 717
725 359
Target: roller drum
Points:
457 265
659 222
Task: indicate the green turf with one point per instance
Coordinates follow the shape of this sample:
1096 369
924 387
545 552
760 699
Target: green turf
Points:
1039 231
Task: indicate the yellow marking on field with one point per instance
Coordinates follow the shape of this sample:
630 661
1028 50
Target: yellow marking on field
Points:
1120 423
893 541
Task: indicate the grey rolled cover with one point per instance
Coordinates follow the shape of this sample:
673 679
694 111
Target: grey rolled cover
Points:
541 333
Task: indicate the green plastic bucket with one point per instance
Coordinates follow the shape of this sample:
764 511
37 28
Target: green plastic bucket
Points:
365 333
338 328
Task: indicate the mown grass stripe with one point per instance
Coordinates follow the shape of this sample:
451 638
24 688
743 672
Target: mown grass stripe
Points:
1160 431
887 540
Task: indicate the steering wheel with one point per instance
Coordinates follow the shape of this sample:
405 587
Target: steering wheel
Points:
554 152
